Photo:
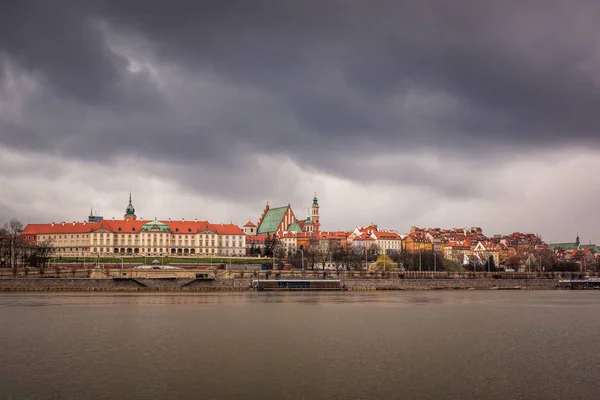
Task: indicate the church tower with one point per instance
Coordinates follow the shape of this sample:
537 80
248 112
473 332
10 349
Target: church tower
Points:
129 211
315 215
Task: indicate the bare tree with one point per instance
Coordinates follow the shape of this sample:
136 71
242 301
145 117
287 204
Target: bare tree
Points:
12 243
15 251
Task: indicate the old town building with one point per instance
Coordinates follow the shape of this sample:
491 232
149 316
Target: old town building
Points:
130 236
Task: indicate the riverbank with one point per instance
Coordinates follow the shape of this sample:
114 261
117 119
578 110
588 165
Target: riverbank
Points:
236 284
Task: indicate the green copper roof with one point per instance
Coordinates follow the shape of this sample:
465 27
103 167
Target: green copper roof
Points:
294 227
130 210
563 246
154 225
591 247
315 201
308 221
271 221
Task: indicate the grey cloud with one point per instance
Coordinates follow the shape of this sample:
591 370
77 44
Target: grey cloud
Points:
320 82
62 43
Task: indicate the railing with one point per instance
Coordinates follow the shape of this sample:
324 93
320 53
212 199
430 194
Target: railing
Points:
328 274
77 271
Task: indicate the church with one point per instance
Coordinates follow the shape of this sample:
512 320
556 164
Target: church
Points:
277 221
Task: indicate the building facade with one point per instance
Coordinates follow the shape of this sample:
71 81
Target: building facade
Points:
131 237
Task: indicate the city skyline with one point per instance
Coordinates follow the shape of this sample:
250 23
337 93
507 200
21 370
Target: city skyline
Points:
397 113
97 215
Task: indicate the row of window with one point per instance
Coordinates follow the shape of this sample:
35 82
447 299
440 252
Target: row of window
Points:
100 250
129 236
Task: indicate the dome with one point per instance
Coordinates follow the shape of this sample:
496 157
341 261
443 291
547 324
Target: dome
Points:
156 225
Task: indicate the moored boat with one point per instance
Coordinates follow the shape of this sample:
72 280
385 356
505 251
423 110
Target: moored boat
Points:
297 284
579 284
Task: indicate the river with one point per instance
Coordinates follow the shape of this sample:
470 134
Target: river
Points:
348 345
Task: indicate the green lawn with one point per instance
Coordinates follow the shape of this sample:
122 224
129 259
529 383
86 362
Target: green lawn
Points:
166 260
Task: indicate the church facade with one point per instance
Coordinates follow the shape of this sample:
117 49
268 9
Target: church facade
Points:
281 220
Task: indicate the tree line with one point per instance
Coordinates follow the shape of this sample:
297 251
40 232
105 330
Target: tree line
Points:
16 251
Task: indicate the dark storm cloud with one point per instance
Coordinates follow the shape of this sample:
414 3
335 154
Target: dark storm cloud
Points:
504 59
331 79
62 43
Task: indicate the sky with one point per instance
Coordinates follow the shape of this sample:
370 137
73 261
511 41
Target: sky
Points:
400 113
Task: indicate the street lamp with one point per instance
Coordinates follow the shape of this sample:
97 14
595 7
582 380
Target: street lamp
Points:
119 258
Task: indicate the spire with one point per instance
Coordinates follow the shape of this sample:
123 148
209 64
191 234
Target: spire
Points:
577 239
130 211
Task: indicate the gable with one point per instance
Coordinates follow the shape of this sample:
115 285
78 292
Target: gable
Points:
480 247
271 221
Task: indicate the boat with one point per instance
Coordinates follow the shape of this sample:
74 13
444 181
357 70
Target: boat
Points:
579 284
297 284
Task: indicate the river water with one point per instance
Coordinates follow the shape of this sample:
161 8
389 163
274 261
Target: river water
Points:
367 345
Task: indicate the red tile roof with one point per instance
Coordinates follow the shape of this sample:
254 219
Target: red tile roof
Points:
67 227
189 226
134 226
227 229
255 239
250 224
387 235
120 225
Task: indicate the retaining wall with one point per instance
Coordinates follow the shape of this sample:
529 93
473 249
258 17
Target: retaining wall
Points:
51 284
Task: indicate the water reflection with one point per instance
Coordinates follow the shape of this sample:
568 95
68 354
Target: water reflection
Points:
361 345
374 298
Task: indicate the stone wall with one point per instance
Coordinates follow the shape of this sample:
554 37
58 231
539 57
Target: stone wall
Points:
51 284
415 284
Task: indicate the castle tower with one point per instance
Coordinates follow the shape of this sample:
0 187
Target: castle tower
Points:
94 218
250 229
130 211
315 215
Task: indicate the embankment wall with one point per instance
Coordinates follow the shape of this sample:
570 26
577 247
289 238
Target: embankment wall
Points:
185 285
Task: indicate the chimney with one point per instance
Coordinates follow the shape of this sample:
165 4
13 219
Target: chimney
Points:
182 220
169 219
195 219
53 224
63 223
